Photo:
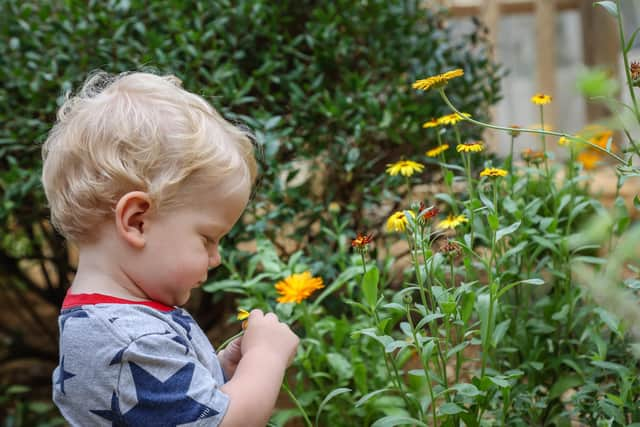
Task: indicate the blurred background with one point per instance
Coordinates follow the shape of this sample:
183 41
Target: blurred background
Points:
324 86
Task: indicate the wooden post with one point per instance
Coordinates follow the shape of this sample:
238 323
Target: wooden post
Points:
491 19
545 50
600 47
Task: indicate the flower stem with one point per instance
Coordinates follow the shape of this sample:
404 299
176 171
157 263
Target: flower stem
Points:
285 387
626 61
425 366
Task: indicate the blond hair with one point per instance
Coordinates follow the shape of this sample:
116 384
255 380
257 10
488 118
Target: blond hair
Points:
135 131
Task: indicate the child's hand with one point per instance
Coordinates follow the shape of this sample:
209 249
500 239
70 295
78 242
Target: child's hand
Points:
230 357
266 334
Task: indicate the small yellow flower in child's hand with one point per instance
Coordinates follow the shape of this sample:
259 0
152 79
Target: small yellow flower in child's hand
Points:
404 167
493 172
541 99
243 315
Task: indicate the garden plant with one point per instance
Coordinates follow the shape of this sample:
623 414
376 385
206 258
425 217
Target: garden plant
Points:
316 82
516 302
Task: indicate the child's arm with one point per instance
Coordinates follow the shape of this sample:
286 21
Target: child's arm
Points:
268 347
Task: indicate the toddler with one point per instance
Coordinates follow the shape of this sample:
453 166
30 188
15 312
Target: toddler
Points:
146 179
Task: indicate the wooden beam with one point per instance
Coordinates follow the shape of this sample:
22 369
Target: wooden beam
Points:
506 7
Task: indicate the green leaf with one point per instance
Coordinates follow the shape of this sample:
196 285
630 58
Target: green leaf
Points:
507 230
370 286
636 202
450 408
331 395
340 365
563 384
466 389
494 222
609 6
612 323
397 420
631 40
534 281
364 399
499 332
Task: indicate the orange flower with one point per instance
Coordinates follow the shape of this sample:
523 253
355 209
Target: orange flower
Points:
298 287
589 159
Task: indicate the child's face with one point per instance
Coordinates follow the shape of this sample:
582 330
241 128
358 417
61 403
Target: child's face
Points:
182 245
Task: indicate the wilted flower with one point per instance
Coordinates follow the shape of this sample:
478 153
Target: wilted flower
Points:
404 167
635 73
298 287
427 212
450 249
541 99
533 156
515 133
437 81
361 242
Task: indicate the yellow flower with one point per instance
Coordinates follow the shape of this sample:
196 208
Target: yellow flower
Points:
435 152
431 124
404 167
334 207
243 314
541 99
470 147
453 74
298 287
437 81
398 221
452 221
564 141
452 119
493 172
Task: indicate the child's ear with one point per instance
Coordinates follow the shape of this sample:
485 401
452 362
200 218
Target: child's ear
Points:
132 211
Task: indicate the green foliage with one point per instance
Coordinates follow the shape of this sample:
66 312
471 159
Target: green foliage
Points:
324 86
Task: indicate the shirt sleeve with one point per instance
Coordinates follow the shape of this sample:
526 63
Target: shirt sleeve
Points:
162 383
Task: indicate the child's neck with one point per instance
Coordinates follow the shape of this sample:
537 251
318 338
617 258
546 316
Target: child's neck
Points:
98 274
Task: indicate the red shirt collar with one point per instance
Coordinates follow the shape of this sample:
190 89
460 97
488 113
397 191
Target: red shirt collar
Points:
76 300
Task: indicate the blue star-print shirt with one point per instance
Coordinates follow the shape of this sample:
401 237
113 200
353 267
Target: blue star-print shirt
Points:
126 363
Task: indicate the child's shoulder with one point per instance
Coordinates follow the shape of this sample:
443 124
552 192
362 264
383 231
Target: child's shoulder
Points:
122 322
